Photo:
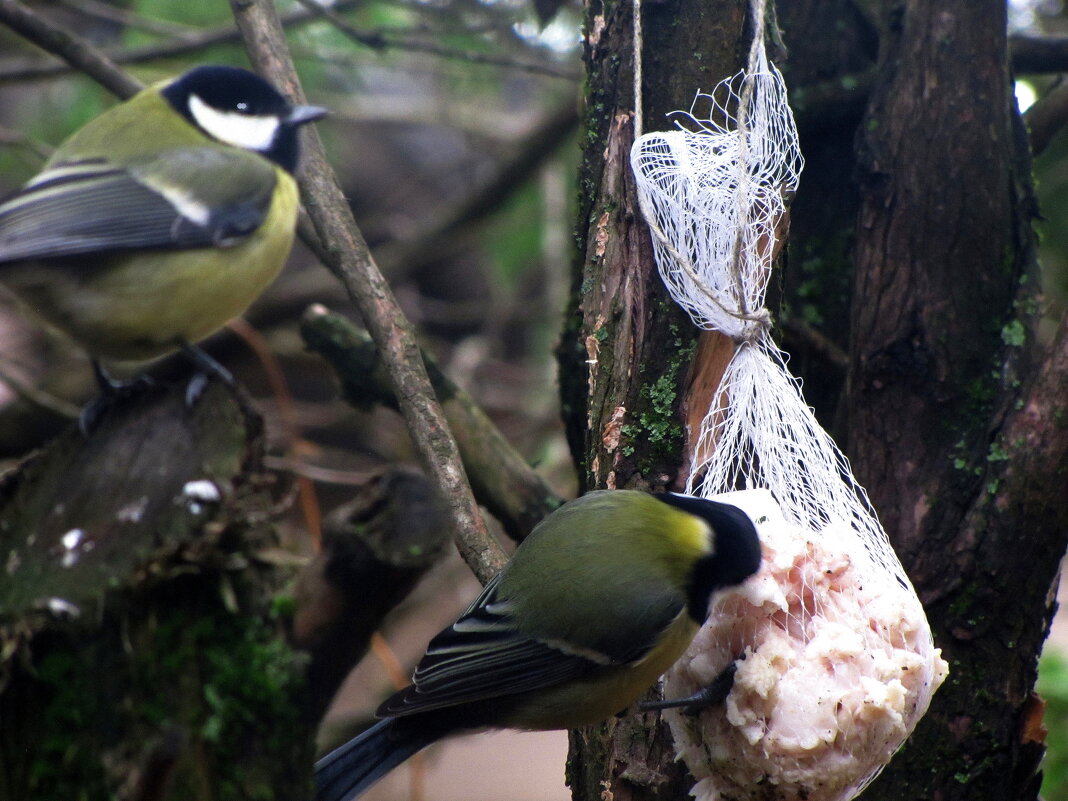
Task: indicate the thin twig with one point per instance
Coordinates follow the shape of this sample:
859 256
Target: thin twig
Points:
77 52
200 40
137 55
10 138
372 40
474 57
323 475
38 397
380 40
350 260
502 480
110 13
287 413
816 341
403 257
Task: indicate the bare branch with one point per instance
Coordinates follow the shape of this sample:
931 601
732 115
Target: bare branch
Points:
815 341
11 138
136 55
350 260
402 257
1046 117
502 480
378 40
1037 55
38 397
199 40
77 52
106 11
374 41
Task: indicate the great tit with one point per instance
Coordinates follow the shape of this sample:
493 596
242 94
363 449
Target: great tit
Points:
602 597
160 219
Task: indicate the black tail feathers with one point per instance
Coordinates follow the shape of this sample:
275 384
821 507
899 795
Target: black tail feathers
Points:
348 771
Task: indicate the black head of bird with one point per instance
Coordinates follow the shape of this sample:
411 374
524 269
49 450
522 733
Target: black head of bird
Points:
238 108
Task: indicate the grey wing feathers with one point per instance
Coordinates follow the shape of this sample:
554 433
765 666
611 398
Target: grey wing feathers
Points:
94 207
483 656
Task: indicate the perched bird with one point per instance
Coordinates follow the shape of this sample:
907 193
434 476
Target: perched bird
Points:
160 219
602 597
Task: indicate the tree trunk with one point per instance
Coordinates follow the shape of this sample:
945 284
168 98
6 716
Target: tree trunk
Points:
952 430
912 266
627 356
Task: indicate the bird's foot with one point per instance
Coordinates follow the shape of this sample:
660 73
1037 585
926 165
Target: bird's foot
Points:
206 368
112 391
712 695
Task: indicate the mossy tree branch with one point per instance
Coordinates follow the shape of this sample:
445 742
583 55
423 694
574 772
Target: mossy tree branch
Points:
138 655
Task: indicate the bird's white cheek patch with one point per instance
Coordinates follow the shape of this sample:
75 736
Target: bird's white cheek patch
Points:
241 130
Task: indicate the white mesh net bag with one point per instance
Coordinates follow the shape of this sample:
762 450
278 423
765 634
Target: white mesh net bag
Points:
838 662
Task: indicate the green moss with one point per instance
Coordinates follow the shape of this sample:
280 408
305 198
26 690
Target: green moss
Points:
979 395
245 705
997 453
283 606
823 292
227 683
963 604
659 420
1014 334
657 425
65 766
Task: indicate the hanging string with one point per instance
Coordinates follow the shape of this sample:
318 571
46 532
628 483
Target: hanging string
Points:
638 45
752 323
756 64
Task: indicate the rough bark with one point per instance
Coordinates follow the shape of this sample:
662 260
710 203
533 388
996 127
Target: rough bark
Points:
627 354
139 658
961 452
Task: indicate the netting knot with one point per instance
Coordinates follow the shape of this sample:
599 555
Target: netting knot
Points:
754 325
